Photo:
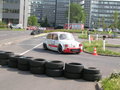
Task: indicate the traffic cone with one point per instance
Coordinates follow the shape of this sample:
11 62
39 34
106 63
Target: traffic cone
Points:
81 48
95 52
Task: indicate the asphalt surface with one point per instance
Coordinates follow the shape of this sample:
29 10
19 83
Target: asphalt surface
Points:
13 79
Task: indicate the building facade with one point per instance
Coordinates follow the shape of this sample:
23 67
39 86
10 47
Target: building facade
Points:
99 11
54 10
14 11
1 6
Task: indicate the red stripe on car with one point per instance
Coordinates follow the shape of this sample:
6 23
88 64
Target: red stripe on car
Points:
53 45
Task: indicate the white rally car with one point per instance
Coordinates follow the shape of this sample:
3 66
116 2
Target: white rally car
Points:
63 42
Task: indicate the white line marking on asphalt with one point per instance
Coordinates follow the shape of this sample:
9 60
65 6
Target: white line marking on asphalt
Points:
31 49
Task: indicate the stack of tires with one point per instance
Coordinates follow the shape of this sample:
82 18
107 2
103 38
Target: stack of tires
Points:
91 74
73 70
4 57
23 63
13 61
54 68
37 66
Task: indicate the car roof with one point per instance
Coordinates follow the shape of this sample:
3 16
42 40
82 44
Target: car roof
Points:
59 33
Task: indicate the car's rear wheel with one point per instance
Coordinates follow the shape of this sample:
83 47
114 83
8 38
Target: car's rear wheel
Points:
45 46
60 49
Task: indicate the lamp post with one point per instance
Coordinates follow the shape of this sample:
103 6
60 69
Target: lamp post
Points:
69 15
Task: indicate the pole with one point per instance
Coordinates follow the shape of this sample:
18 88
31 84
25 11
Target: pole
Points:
104 45
89 38
96 36
104 42
69 15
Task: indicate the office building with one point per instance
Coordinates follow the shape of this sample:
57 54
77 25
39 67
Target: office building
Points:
98 9
54 10
14 11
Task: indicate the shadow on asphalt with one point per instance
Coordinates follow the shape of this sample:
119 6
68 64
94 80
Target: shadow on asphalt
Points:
51 52
41 75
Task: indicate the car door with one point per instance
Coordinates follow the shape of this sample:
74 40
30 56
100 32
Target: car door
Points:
49 40
54 42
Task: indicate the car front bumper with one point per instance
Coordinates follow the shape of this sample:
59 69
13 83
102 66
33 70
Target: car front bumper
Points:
71 50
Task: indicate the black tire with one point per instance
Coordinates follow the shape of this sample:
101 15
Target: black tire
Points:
91 70
54 65
15 58
12 64
5 55
24 60
74 67
4 62
54 72
39 62
37 70
23 67
92 77
72 75
60 49
45 46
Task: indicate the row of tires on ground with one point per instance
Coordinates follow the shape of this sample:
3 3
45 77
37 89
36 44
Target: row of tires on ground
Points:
35 32
54 68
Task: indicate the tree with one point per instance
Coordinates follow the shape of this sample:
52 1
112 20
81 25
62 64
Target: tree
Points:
103 23
45 23
32 21
77 13
99 23
116 20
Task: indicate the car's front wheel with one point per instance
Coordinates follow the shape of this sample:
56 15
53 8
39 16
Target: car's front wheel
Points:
60 49
45 46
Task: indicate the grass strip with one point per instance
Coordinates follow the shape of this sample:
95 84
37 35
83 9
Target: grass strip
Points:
112 82
89 47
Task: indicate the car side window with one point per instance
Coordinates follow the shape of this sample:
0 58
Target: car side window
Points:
49 36
55 37
63 36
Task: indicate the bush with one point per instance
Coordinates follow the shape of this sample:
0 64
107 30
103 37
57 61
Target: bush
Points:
64 30
3 25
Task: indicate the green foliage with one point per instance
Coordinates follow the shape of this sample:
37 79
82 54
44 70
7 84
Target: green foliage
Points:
89 47
3 25
45 23
112 82
33 21
111 45
77 13
64 30
103 23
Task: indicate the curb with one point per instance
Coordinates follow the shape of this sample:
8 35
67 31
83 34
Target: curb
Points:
40 35
101 54
98 86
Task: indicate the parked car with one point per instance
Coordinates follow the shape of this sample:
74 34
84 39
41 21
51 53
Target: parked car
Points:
31 28
107 29
100 29
17 26
63 42
116 30
91 29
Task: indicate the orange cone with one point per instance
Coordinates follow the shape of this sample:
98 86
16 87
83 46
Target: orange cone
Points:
81 48
95 52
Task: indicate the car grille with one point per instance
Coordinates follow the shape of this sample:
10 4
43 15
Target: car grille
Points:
75 50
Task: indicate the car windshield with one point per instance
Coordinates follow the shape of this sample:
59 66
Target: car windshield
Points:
66 37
